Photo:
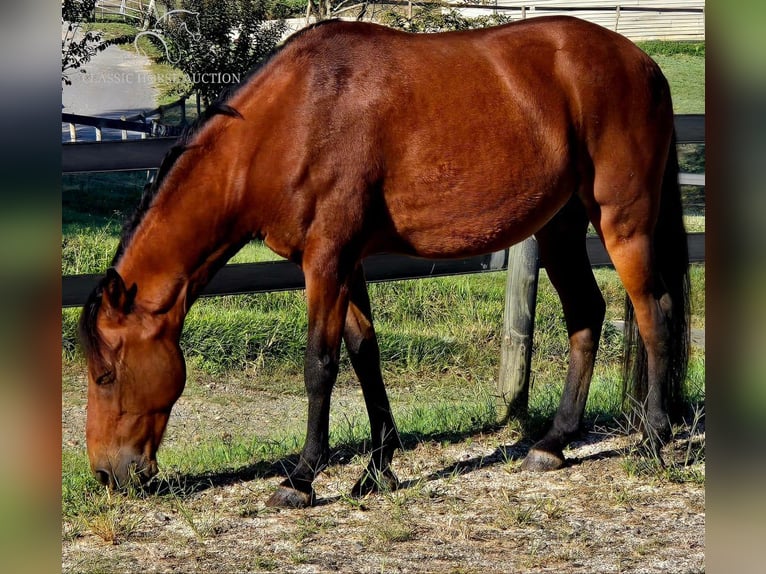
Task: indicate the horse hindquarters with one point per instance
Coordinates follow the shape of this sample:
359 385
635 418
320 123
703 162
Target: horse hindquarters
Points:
672 264
650 256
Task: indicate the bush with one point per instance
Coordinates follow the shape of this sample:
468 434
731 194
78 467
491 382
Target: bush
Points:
672 48
430 18
279 9
221 42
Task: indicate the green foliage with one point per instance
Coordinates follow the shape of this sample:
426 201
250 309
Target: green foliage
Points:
79 45
220 42
672 48
278 9
431 18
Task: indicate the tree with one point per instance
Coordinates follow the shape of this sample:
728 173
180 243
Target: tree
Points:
430 17
77 47
216 42
324 9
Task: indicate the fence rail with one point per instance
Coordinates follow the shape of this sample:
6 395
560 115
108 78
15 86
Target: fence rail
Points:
242 278
100 123
144 123
130 155
133 9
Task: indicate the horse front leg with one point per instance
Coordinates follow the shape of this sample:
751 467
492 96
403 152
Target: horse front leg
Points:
327 299
363 350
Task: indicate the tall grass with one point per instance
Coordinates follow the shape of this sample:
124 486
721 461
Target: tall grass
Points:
426 329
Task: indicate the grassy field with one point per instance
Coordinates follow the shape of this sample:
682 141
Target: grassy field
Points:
440 342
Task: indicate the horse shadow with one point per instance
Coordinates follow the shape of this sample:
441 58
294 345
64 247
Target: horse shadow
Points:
188 485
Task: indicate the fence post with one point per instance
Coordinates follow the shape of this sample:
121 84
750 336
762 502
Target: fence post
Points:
518 331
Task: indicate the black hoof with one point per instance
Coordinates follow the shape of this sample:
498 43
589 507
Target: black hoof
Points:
651 447
543 461
286 497
658 436
375 481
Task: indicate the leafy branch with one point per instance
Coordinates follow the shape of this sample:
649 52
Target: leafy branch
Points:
78 44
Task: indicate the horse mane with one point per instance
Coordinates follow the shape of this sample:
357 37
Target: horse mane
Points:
89 337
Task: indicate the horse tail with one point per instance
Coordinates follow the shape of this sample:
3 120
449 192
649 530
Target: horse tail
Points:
671 258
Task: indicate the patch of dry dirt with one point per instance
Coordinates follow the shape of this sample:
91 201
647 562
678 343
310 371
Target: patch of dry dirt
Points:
463 507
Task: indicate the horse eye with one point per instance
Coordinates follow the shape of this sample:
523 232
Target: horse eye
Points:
106 378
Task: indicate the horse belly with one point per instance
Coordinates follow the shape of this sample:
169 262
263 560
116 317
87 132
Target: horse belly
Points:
463 219
471 193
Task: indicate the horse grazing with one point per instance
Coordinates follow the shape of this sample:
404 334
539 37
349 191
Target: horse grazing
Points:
354 139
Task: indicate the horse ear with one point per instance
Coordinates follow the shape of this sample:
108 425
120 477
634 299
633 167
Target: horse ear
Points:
116 294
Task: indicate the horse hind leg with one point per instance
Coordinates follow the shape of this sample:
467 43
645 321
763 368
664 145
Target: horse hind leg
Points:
652 306
562 250
364 353
629 233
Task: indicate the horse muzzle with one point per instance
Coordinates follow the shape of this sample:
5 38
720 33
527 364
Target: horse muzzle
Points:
134 471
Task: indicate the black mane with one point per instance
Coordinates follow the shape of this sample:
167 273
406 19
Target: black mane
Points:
151 189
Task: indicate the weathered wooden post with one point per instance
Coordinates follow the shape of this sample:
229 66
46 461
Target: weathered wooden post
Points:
518 331
183 110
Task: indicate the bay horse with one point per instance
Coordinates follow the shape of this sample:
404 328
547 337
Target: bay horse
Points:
354 139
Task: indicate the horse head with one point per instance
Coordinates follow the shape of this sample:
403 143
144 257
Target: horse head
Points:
136 372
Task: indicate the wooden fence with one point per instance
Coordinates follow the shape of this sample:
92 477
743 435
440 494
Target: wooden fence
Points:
282 275
521 259
635 19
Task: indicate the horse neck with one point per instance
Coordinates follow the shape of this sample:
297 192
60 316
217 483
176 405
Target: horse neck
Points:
194 225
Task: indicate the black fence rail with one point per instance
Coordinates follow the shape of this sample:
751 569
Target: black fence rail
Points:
147 123
241 278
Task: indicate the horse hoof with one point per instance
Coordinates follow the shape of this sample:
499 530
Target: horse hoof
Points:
658 436
286 497
543 461
377 481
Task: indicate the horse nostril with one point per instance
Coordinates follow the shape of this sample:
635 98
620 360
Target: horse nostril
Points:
103 476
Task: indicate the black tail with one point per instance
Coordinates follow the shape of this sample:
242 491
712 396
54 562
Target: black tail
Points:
672 262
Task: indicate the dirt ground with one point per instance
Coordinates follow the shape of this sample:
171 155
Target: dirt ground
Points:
463 507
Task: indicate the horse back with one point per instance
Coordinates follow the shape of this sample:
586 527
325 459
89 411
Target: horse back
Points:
491 130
